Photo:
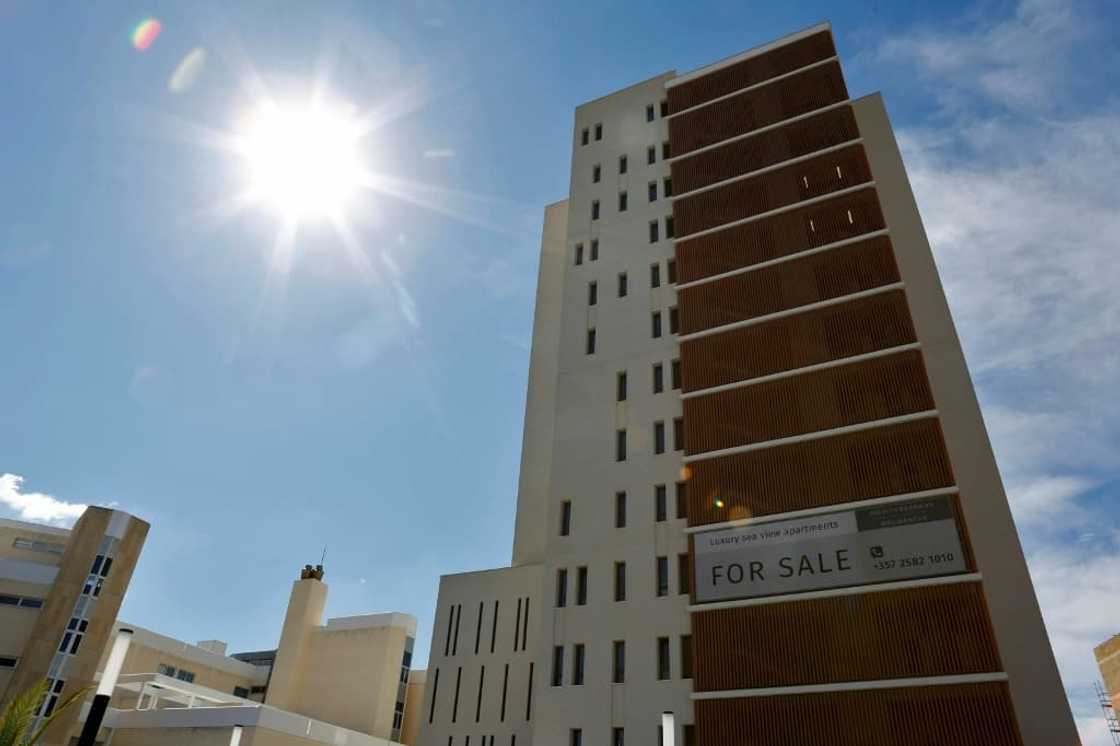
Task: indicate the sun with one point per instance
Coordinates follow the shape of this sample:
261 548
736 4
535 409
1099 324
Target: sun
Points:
302 160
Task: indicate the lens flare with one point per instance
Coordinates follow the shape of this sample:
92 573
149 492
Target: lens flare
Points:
187 71
145 33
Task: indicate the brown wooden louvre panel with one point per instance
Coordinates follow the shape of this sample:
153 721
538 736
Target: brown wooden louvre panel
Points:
790 97
752 71
861 392
838 219
841 271
823 174
960 715
883 461
846 329
796 139
934 631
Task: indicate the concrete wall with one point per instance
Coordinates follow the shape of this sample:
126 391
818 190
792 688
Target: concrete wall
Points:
1036 689
413 708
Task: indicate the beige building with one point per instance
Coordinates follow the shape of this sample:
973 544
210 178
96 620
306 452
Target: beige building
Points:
60 590
345 681
1108 660
757 500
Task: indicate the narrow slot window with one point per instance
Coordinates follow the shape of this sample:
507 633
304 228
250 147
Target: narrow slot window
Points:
655 275
561 588
620 510
659 437
663 669
618 663
660 510
581 586
662 576
619 581
620 390
566 518
623 287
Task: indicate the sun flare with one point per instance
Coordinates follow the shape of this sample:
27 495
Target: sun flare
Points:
303 161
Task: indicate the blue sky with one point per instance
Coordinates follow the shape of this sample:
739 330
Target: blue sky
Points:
147 361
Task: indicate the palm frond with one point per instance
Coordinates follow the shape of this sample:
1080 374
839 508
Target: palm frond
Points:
60 708
19 715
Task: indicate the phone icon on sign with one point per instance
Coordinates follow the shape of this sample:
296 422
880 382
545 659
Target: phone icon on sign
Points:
877 552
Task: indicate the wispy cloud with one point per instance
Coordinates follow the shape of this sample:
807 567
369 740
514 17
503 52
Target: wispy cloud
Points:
37 506
1015 174
439 153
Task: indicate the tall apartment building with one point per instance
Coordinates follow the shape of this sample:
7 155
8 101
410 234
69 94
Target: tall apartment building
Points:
756 489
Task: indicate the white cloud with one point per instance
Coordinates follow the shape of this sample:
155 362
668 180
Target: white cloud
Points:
1015 174
37 506
439 153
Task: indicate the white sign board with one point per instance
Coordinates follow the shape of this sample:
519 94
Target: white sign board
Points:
896 541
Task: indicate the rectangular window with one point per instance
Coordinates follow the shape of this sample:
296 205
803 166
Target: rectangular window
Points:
665 108
654 232
658 378
651 190
565 518
620 510
670 231
595 209
674 320
165 670
578 664
689 735
622 164
678 433
561 588
675 373
649 113
666 153
660 511
620 445
618 663
620 392
594 249
576 738
622 201
590 341
686 656
671 265
682 500
558 665
8 662
581 586
596 173
592 293
619 581
683 575
622 285
662 576
655 275
656 324
663 658
579 254
667 187
599 131
651 155
585 136
618 737
659 437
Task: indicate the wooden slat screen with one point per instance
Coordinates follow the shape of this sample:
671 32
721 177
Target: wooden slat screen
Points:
752 71
893 460
842 271
823 174
846 395
796 139
852 328
838 219
935 631
798 94
961 715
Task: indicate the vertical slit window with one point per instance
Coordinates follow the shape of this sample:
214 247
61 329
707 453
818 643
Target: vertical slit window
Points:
585 136
450 626
576 737
658 378
620 510
656 323
455 638
558 665
525 627
455 702
651 155
655 275
659 438
505 690
578 661
684 576
623 287
662 576
494 628
622 164
599 131
581 586
591 341
620 445
478 628
663 668
435 693
651 189
594 249
620 390
592 293
619 581
517 626
596 173
561 588
618 737
654 235
623 201
660 511
618 662
478 702
579 254
529 696
565 517
595 209
649 113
